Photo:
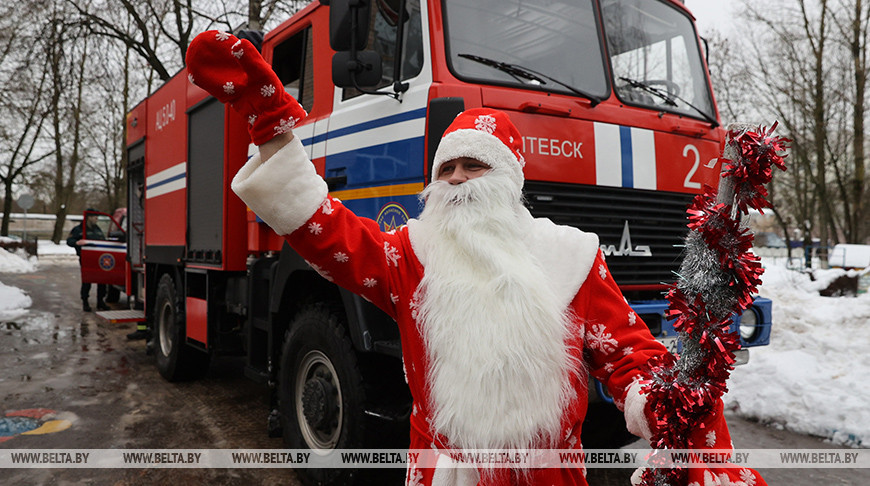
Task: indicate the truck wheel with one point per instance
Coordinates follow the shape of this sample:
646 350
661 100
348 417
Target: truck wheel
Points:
321 395
175 360
113 294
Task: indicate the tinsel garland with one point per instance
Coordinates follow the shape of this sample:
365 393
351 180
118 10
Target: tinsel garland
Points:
717 277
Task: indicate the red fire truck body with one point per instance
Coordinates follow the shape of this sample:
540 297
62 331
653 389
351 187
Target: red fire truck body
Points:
619 128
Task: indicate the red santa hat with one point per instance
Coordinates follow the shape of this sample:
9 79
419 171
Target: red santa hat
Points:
486 135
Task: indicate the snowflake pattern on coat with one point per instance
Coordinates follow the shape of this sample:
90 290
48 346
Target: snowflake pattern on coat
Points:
414 305
320 270
284 126
415 477
710 440
326 206
601 340
392 254
747 478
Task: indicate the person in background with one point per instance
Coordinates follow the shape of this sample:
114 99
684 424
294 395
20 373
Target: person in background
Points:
76 240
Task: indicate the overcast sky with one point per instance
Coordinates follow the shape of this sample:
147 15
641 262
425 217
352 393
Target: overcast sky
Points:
711 13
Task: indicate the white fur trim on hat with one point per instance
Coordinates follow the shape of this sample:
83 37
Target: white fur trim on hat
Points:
479 145
284 191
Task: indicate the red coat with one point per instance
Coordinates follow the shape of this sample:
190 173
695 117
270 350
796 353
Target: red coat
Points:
286 192
383 268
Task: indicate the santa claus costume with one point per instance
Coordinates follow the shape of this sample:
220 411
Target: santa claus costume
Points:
502 316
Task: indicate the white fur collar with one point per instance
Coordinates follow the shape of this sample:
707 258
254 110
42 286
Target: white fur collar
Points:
565 252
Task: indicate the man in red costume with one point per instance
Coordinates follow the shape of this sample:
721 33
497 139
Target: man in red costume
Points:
502 316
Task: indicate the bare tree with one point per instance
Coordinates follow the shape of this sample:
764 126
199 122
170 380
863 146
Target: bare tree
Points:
852 22
152 20
18 156
811 74
67 57
22 85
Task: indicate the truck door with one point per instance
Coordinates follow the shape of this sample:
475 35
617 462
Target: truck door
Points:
375 143
104 250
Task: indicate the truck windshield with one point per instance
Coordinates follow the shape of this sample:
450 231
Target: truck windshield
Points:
517 38
554 45
655 57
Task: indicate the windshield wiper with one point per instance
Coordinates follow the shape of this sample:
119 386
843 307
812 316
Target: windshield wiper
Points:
669 98
517 72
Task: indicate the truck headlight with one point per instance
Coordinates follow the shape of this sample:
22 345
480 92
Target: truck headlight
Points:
748 324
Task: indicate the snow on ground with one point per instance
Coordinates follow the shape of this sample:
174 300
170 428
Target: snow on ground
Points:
46 247
811 378
14 301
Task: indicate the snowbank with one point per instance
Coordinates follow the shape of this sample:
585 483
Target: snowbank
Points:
811 378
13 301
17 262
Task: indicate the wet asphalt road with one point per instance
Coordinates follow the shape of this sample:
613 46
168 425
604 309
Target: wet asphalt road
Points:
54 356
57 357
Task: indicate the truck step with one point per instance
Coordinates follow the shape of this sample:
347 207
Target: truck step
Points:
116 316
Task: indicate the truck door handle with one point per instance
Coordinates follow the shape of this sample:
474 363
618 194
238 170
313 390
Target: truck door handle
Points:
333 182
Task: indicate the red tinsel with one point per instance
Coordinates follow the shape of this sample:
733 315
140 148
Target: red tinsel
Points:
682 390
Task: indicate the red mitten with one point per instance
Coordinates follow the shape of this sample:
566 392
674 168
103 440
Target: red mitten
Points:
233 71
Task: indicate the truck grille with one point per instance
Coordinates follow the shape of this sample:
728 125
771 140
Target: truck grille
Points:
655 219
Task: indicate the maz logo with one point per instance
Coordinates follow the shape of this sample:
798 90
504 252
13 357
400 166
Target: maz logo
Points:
625 247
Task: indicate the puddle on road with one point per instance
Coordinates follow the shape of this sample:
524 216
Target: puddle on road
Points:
46 328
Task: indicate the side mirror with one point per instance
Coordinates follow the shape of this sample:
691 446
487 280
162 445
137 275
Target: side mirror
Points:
356 71
255 36
349 24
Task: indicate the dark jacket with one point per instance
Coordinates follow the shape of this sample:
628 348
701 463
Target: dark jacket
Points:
75 234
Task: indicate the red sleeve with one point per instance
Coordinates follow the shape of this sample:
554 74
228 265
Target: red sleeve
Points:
353 252
618 344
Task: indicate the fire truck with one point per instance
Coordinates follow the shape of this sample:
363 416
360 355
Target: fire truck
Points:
620 131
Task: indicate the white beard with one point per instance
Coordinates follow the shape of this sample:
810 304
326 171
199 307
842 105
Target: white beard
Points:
495 334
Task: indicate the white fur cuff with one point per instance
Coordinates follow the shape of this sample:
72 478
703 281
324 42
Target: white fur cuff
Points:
284 191
635 416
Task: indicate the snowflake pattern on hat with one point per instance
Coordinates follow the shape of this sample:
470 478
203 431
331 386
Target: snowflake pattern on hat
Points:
487 123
